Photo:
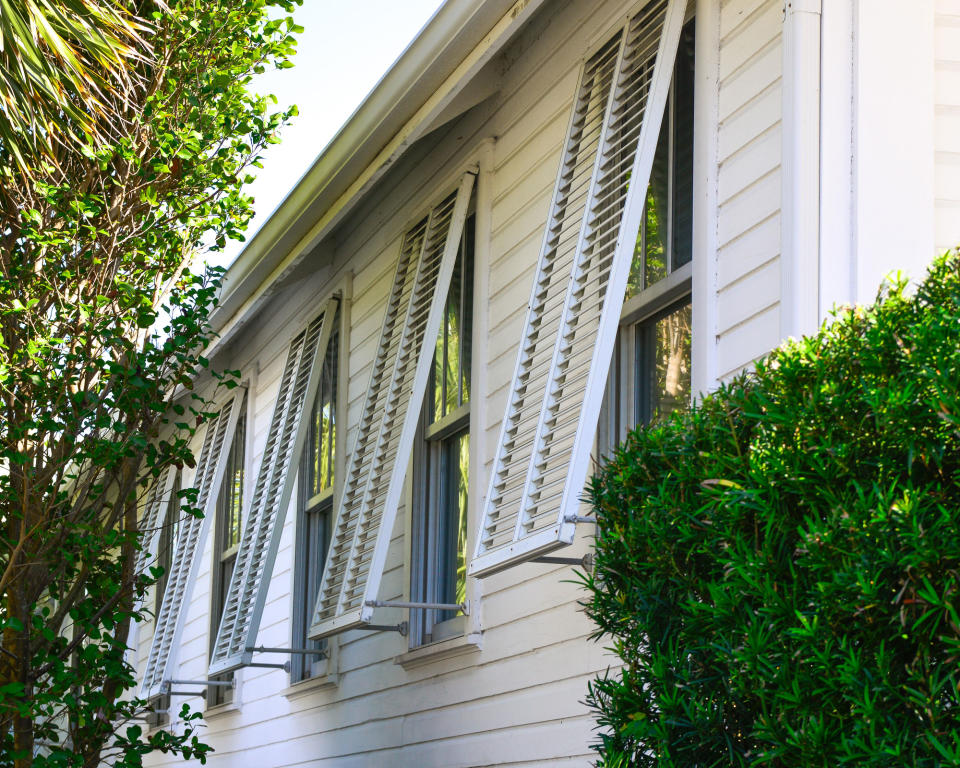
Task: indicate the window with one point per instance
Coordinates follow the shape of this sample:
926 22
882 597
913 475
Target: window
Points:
317 476
207 481
650 370
375 480
442 470
166 542
229 524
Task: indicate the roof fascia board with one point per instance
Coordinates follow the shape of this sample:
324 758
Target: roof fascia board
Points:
267 259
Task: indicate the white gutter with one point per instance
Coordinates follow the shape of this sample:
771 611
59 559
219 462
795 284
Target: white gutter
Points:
800 205
413 97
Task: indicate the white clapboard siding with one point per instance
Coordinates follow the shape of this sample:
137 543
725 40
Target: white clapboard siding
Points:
548 429
374 483
189 545
263 521
154 516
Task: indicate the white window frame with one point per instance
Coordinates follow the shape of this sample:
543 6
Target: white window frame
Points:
168 627
430 437
218 696
618 414
270 496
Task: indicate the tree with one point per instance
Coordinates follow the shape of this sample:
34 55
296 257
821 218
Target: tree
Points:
102 328
58 60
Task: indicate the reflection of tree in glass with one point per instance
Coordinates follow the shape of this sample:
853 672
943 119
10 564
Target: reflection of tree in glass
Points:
462 488
451 368
673 385
323 427
649 253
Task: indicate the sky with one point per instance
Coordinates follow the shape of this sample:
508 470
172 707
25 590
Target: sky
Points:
343 52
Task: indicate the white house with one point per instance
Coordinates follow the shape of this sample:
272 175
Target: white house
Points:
551 220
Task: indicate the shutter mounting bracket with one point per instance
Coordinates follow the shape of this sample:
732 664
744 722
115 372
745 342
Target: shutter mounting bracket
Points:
585 562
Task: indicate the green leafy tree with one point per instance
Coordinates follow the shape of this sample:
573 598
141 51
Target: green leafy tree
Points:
102 328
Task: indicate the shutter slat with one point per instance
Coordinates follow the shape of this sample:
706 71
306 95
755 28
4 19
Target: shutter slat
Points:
369 499
263 521
543 452
186 555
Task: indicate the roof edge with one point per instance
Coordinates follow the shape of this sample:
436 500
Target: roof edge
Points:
386 123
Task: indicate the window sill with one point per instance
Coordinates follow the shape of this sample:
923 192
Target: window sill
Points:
217 710
444 649
323 681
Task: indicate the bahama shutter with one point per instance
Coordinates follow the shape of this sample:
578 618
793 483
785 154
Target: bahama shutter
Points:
543 452
186 556
263 521
154 517
374 483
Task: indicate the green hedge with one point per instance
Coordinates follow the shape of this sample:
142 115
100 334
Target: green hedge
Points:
779 569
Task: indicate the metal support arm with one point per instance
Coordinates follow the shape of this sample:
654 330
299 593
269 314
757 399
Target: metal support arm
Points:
295 651
463 607
285 666
401 628
585 562
165 685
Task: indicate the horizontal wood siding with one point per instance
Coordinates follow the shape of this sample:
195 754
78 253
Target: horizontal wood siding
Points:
748 182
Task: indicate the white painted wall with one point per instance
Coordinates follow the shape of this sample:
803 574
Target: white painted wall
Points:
946 52
517 701
893 134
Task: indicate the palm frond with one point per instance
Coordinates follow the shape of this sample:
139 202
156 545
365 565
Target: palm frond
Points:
62 62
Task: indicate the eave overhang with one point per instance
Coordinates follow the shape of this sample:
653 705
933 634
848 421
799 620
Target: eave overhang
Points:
426 87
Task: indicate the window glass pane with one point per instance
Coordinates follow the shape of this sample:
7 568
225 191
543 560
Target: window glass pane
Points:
666 232
454 474
663 365
452 319
656 214
314 530
323 422
231 494
683 150
450 374
466 314
436 375
229 524
168 540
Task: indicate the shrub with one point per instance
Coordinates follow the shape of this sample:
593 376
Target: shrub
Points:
779 568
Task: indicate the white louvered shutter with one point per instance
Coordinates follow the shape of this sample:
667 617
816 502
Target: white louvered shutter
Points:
544 448
154 517
374 483
263 521
189 545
